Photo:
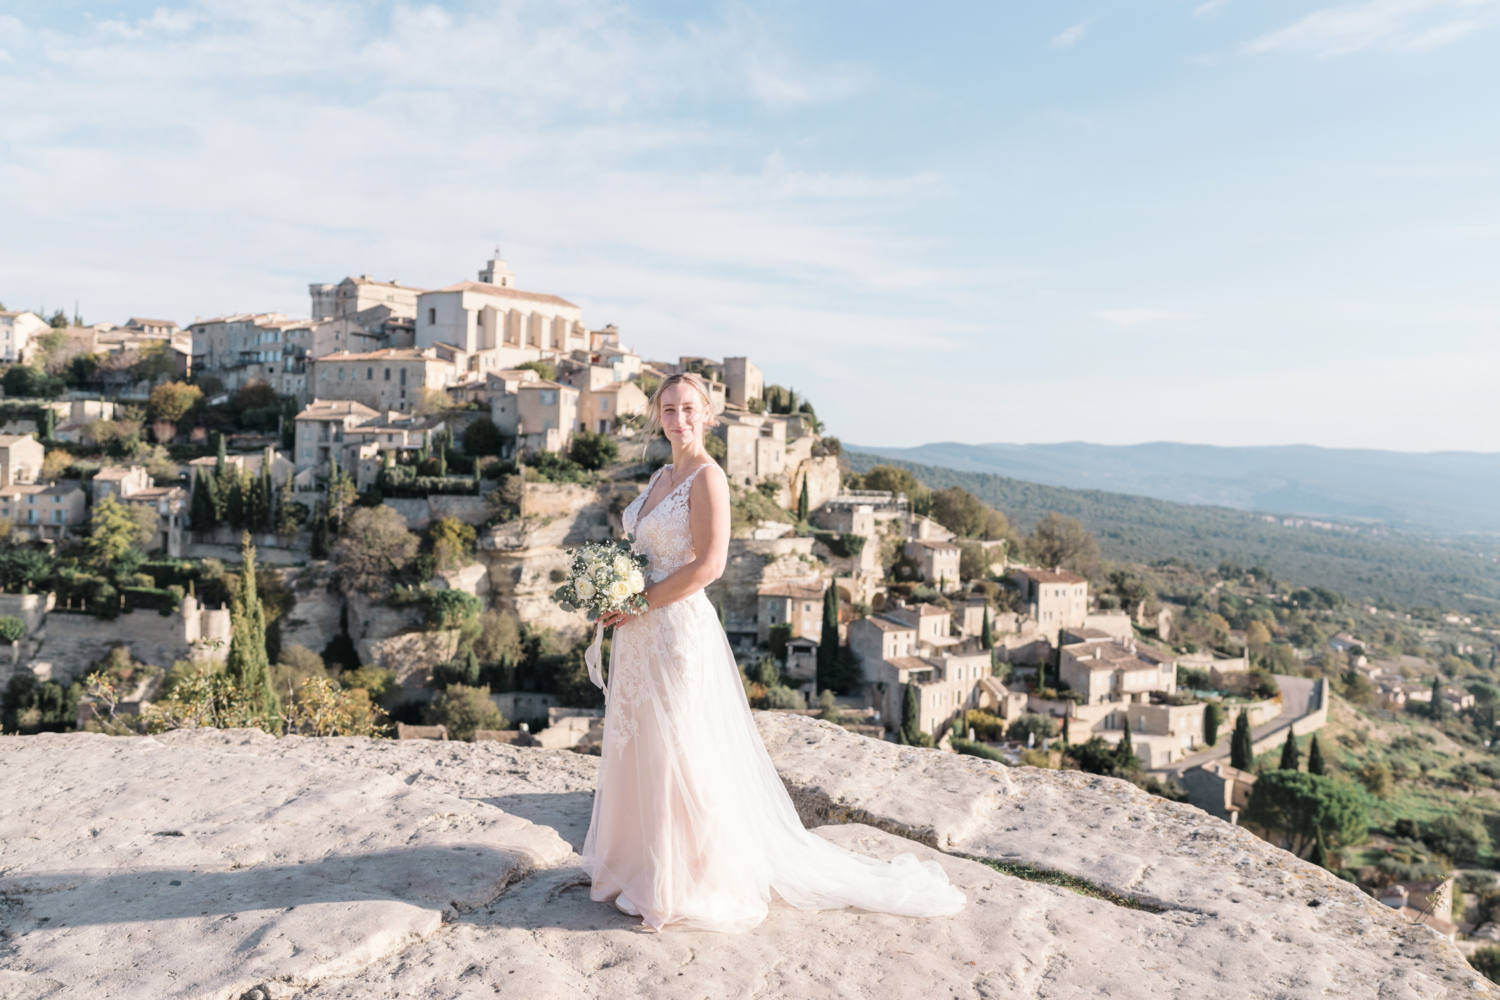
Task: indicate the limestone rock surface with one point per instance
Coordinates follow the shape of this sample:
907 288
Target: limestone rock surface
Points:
331 869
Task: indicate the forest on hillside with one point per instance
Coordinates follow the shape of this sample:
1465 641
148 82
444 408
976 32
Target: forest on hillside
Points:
1392 570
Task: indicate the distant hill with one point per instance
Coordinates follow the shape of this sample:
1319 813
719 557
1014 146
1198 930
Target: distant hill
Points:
1439 492
1371 565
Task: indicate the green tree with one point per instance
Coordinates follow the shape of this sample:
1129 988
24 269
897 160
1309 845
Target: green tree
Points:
1290 756
483 437
1125 752
1438 708
1301 809
1315 763
1241 744
1213 718
112 533
802 501
248 666
828 641
594 451
986 631
341 492
910 732
374 548
291 514
318 547
203 508
26 382
543 370
1062 543
172 401
1032 724
463 709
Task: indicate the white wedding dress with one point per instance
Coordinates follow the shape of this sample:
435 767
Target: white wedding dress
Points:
691 823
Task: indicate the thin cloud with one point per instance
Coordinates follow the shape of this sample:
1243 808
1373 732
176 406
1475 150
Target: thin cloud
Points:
1140 317
1398 25
1205 9
1069 38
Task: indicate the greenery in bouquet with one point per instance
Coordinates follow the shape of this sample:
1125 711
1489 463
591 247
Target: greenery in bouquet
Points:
604 577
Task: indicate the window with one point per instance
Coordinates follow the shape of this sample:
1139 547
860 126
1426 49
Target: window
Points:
387 374
341 373
431 317
369 374
57 517
549 397
31 517
403 379
307 453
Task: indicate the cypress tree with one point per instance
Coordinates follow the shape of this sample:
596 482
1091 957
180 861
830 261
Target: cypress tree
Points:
1290 757
49 422
1437 696
267 493
911 716
1241 744
1065 739
1315 763
1213 717
802 510
986 632
1125 758
248 665
318 548
202 509
828 643
223 457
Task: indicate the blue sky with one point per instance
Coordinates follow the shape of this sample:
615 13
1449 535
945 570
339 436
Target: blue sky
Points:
1228 222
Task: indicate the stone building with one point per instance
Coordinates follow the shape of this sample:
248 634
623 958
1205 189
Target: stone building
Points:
755 446
20 459
936 561
604 398
743 382
44 511
1218 789
497 322
1055 599
17 331
1104 669
353 296
388 379
548 414
799 604
243 348
321 431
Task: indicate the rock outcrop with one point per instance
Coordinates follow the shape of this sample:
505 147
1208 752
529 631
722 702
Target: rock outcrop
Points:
217 864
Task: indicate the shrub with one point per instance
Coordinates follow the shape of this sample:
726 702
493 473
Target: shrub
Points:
322 708
1461 836
1042 726
1304 810
594 451
548 467
1376 778
784 697
379 682
443 609
977 749
482 437
11 628
780 635
1097 756
1486 962
844 546
463 709
985 725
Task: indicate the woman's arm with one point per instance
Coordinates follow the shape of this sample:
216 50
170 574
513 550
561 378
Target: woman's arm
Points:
708 517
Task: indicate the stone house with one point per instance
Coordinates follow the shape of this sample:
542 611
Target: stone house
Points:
936 561
357 295
933 625
548 415
391 379
1218 789
44 511
802 659
121 481
755 446
797 604
1055 599
743 382
603 398
17 330
321 430
242 348
945 685
20 459
282 468
877 637
502 389
1107 670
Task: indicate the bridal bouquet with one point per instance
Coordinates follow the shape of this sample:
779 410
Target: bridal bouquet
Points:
605 576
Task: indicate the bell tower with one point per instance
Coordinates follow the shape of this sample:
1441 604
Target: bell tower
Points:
497 272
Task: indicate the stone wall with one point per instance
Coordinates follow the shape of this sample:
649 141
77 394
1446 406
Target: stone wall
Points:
754 562
315 619
72 643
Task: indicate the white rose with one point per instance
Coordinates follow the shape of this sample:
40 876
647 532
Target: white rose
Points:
637 581
585 589
618 591
622 565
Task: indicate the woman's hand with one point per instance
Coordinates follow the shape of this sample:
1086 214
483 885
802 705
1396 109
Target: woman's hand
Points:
613 619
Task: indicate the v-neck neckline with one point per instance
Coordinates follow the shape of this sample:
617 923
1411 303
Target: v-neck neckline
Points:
668 495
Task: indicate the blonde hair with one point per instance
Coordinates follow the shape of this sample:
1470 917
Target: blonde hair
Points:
653 408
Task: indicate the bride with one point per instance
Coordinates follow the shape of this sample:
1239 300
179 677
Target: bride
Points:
691 824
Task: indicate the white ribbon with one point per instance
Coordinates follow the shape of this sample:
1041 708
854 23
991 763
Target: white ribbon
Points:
594 657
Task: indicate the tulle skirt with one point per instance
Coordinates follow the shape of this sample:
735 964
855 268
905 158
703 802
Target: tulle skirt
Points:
691 823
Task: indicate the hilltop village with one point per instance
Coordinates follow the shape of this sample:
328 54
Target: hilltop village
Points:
352 524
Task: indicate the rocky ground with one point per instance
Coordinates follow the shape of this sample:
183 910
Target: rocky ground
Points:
233 865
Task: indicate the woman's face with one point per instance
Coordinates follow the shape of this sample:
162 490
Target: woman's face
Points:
683 414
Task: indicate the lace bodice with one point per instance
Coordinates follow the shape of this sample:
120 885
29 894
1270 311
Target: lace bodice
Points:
663 535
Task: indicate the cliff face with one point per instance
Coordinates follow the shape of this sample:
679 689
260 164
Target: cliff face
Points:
215 864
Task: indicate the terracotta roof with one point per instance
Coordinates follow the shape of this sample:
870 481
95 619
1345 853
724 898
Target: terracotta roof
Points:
62 488
542 383
929 543
323 408
484 288
801 591
112 472
888 624
911 663
150 322
1052 576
